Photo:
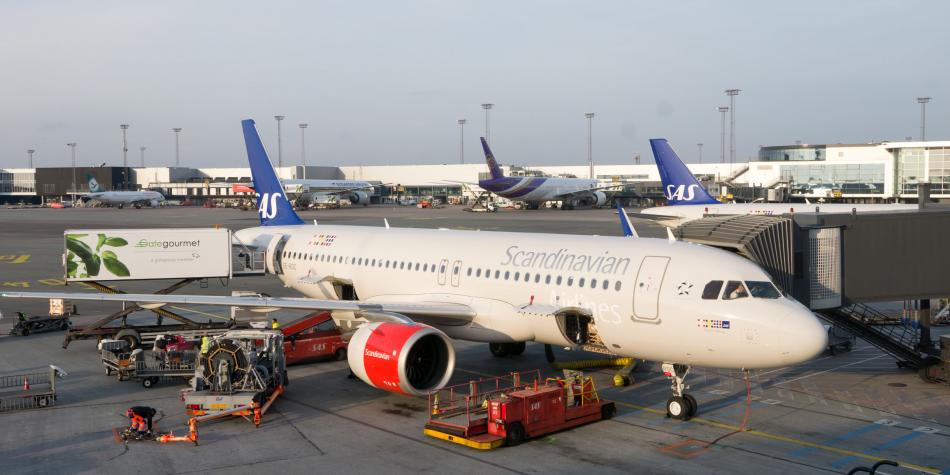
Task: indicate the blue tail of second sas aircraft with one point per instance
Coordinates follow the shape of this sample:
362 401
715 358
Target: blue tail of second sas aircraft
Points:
679 184
272 205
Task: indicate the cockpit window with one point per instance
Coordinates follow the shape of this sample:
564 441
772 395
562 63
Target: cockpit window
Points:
711 291
735 290
762 289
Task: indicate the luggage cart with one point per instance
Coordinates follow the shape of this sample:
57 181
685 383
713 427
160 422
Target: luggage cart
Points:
840 339
29 390
151 367
38 324
117 359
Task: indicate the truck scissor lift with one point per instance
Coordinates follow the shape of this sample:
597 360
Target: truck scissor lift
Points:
489 413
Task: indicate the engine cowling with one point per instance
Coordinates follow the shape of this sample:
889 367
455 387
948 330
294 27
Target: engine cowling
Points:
401 358
359 198
600 198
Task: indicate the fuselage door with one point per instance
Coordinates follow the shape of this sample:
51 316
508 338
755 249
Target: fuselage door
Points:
456 273
275 250
443 270
646 292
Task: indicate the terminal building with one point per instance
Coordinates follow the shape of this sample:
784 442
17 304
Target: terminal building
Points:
874 172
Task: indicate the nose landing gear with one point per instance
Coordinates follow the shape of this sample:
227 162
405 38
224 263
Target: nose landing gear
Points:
681 406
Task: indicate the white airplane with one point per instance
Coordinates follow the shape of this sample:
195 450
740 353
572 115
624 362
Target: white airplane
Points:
408 291
688 199
121 198
317 191
535 191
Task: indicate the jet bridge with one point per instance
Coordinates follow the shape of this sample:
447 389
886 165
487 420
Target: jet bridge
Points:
837 263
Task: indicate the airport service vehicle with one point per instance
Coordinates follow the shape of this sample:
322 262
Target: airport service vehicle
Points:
120 199
313 337
29 390
508 413
241 369
536 191
38 324
688 200
404 293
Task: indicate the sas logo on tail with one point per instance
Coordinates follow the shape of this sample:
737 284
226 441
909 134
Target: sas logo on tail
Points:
268 208
681 192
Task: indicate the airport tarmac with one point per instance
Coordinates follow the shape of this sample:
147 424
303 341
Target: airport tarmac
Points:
828 415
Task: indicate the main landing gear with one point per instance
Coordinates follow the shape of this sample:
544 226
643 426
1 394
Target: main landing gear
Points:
501 350
681 406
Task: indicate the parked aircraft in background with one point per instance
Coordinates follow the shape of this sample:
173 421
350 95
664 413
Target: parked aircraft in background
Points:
406 292
120 199
688 200
536 191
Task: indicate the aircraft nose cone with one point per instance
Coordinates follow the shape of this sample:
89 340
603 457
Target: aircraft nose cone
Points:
807 336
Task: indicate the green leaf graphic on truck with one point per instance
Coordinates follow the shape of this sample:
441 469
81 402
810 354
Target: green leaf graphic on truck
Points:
82 261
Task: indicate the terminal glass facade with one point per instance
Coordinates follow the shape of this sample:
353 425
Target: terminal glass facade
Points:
938 170
791 153
851 178
17 182
910 169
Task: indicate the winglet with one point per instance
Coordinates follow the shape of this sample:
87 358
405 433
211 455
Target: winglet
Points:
493 167
272 205
679 184
625 224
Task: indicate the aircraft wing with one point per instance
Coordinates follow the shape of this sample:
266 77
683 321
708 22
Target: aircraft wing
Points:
461 182
581 192
373 311
345 190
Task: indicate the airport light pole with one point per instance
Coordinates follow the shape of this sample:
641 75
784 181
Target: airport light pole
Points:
732 93
72 149
176 130
590 144
722 137
487 108
700 145
462 140
303 148
923 117
29 154
125 145
280 152
142 157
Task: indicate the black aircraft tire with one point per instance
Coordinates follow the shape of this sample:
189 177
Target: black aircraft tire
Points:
498 350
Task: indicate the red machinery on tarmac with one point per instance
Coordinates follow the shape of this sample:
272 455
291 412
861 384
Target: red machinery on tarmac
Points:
489 413
313 337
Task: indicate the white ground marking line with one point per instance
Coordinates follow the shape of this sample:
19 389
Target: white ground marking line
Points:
830 370
816 360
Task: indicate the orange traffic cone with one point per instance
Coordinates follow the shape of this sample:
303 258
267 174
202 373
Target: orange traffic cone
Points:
26 383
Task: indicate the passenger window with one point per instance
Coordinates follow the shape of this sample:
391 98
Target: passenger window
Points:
469 272
425 267
734 290
762 289
558 280
593 283
537 278
547 279
497 273
580 283
570 281
442 268
478 273
417 267
617 286
527 277
455 271
517 276
606 284
507 274
432 268
711 292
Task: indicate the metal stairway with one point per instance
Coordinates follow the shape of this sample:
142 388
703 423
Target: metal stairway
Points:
896 339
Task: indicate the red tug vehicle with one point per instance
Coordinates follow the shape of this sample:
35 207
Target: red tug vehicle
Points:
492 412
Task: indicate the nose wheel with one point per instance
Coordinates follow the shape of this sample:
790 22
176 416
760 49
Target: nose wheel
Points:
681 406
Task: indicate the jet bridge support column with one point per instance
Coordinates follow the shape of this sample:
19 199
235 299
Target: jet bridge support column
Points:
923 317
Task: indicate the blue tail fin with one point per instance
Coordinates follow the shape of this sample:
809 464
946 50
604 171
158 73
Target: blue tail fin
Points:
679 184
493 167
272 204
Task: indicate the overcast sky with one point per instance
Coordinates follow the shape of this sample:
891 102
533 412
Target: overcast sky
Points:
385 82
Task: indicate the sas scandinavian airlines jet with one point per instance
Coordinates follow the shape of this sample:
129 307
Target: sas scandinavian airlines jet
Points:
408 292
535 191
688 199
